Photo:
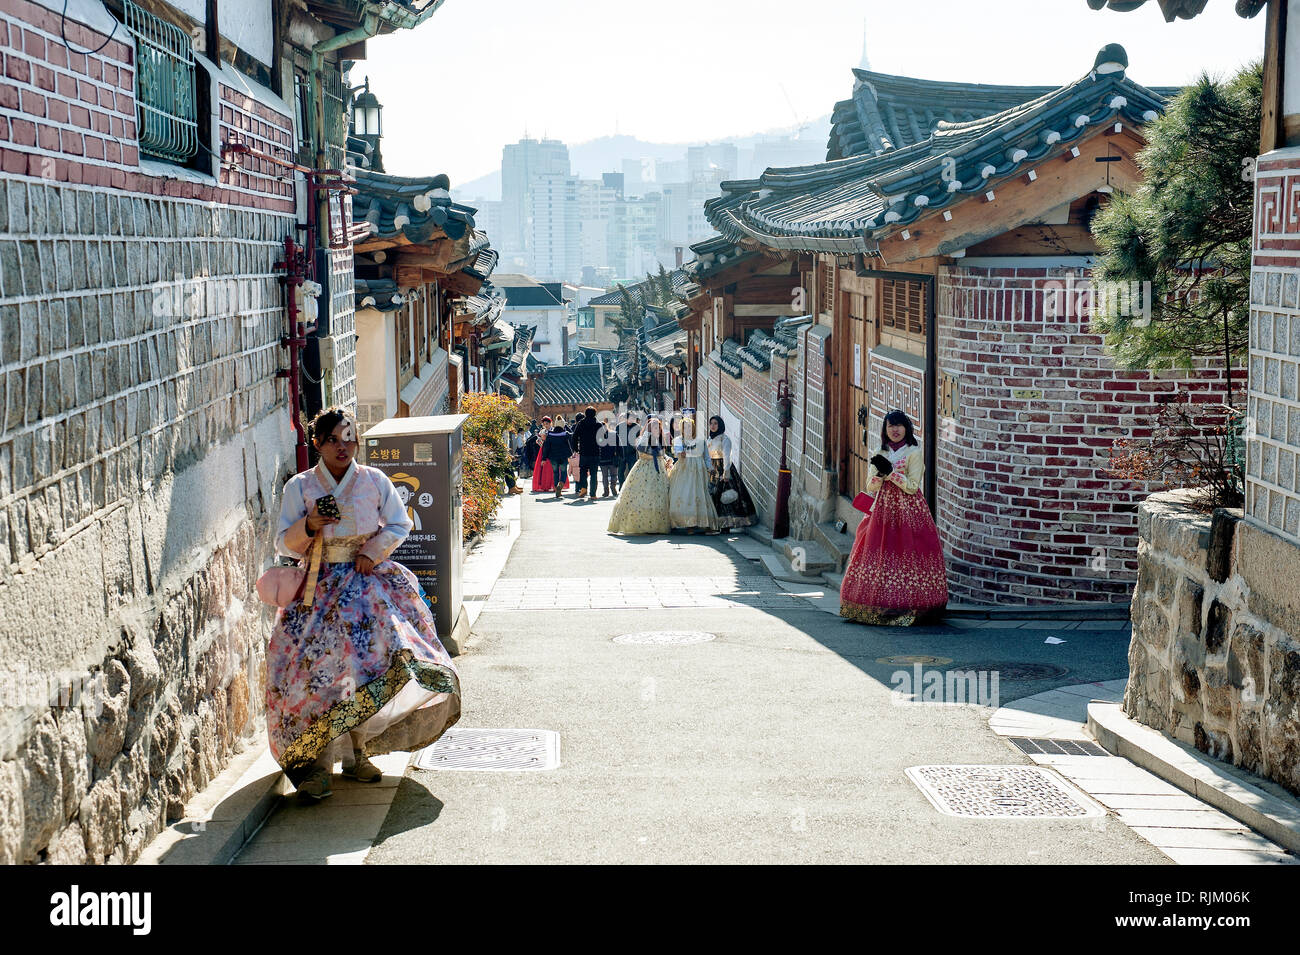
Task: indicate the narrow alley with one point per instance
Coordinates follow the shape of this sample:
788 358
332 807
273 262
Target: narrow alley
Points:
777 739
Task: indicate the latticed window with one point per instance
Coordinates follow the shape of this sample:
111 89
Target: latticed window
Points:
827 269
404 338
164 86
902 306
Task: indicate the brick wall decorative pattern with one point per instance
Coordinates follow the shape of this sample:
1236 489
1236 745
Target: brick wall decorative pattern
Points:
1272 470
1026 510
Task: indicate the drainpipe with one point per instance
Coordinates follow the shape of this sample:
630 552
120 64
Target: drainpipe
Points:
931 364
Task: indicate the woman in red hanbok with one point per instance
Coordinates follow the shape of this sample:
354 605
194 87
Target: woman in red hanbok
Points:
543 473
895 575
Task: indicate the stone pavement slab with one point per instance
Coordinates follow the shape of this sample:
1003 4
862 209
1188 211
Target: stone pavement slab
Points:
339 830
1183 827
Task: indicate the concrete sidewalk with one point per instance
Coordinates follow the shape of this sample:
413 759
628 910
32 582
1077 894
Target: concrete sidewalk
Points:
776 740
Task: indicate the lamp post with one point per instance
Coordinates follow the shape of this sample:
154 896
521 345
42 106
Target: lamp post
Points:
784 417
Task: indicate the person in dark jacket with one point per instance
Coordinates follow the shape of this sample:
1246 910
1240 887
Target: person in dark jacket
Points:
557 448
610 452
585 435
628 431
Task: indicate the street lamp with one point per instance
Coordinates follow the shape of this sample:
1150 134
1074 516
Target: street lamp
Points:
365 114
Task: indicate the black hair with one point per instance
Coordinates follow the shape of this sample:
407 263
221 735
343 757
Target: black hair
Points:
722 425
590 412
323 425
896 417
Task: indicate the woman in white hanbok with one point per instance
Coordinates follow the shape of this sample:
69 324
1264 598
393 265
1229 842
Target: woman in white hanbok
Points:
690 508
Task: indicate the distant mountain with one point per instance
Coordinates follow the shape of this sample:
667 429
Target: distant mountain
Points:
606 154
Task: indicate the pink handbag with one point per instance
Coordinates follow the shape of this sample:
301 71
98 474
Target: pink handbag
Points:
280 586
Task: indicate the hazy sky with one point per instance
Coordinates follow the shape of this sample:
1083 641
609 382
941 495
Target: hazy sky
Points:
480 73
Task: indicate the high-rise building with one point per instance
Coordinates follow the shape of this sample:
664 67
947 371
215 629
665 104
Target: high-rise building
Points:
596 200
522 163
555 227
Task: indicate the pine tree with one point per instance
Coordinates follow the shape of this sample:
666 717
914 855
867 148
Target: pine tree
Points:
1187 230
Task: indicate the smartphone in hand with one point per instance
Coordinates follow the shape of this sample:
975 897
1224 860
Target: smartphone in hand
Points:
328 507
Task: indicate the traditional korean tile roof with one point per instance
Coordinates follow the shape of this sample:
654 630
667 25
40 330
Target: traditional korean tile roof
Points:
846 205
1178 9
486 306
481 259
639 290
726 356
380 294
570 385
417 209
891 112
664 348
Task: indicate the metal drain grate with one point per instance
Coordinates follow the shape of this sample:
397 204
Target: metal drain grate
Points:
1056 747
492 750
1001 792
665 637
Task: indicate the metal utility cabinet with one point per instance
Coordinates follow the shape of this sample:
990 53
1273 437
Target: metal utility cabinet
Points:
422 457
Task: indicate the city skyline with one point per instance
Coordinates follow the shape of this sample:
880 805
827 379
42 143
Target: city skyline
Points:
677 85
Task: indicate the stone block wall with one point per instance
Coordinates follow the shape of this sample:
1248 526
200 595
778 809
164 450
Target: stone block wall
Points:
144 444
1026 510
1215 657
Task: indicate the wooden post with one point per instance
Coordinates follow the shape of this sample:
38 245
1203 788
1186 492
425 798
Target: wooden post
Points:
1273 132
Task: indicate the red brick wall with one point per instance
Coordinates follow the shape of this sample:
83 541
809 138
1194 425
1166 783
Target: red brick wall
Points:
1026 509
70 116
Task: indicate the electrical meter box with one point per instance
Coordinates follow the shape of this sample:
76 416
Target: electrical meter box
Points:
422 457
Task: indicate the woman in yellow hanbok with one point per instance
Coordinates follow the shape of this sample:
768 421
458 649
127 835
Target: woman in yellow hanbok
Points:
642 505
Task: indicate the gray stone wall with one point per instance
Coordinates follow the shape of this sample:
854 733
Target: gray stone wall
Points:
1215 655
145 439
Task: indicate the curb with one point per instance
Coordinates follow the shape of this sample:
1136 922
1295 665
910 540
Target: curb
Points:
1251 800
224 817
219 820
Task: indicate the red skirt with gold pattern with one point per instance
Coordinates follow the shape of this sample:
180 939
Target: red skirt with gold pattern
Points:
895 575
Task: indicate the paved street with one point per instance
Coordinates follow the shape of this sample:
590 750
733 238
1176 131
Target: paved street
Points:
777 741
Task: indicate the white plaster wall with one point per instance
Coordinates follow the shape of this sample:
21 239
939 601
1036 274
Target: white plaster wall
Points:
249 25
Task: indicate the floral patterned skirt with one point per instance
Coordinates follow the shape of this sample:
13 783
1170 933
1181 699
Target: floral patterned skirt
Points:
363 657
642 505
895 575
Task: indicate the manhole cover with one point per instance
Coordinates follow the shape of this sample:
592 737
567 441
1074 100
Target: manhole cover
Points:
1055 747
1001 792
1025 672
664 637
910 659
492 750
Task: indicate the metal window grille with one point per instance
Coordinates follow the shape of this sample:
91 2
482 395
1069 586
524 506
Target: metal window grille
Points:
335 133
164 86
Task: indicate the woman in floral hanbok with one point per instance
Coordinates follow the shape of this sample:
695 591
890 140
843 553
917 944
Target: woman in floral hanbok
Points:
642 505
357 656
895 575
